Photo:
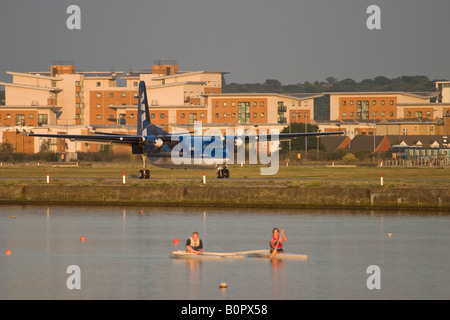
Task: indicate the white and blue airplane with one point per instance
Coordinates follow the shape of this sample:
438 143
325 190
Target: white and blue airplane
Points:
178 150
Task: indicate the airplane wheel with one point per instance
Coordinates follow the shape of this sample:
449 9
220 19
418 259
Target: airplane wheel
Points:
219 174
147 174
226 174
141 174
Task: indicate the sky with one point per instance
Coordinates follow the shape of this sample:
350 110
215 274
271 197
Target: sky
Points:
289 40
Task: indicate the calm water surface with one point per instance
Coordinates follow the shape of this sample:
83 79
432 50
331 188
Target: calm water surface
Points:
125 255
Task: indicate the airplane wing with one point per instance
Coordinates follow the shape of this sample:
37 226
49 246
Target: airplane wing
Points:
285 136
99 138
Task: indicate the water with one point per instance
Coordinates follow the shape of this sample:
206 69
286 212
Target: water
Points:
125 255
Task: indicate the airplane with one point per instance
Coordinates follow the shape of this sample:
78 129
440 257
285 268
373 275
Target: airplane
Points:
159 146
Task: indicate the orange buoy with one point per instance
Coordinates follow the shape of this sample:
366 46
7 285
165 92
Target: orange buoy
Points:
83 238
8 252
141 212
175 241
223 285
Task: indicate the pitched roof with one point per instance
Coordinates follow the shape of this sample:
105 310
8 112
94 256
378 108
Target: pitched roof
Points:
332 143
364 142
411 140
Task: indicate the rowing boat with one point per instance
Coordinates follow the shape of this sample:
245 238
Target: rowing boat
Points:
189 255
179 254
280 256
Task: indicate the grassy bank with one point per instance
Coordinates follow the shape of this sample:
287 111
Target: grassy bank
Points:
295 186
293 176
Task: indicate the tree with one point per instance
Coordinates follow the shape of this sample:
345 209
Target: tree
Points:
6 147
299 143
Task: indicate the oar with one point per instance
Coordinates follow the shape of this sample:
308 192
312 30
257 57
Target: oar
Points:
275 250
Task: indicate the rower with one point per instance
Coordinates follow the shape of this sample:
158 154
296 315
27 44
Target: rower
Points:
194 244
276 241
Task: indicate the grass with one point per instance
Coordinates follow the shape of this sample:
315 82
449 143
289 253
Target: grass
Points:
292 176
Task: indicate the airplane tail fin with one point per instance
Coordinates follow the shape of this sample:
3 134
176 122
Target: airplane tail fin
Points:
144 124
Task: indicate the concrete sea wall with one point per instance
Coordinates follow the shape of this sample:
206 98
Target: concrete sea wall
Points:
423 198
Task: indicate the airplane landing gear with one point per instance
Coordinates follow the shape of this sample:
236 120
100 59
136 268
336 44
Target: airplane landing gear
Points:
144 174
223 173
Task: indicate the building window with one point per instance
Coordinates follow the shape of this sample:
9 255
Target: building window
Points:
255 103
408 114
111 95
299 114
99 116
344 103
391 102
225 104
216 104
78 105
262 104
20 119
352 102
183 116
192 117
152 115
233 115
216 115
124 94
98 106
99 94
255 115
77 116
8 116
293 114
383 102
77 94
374 102
42 119
306 103
77 83
293 103
428 113
383 114
262 115
299 103
135 95
344 114
233 104
391 113
224 115
202 115
162 115
351 114
135 83
418 114
30 116
374 114
131 115
111 116
98 84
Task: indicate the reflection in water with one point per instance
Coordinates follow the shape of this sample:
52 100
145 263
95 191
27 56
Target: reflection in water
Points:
125 255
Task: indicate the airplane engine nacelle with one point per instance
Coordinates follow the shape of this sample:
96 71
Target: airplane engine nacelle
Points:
158 143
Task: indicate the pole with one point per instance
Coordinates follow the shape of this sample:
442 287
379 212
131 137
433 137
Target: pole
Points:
48 177
204 177
123 178
381 179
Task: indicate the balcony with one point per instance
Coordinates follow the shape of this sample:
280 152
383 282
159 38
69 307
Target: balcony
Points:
282 109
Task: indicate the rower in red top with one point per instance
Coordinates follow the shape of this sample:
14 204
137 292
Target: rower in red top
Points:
275 243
